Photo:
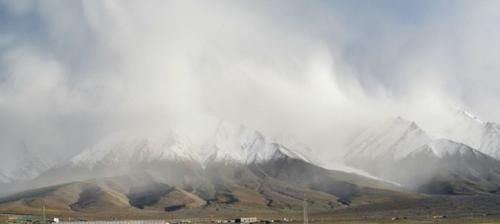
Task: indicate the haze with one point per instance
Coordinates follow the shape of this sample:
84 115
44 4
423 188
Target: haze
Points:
72 72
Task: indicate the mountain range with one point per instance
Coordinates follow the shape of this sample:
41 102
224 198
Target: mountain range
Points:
239 168
401 151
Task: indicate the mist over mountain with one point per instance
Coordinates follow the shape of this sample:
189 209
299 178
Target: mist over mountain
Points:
26 165
471 130
238 168
150 108
401 151
170 155
318 72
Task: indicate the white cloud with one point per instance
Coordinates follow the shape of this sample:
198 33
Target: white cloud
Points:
97 67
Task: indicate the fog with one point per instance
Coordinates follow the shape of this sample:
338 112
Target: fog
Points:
72 72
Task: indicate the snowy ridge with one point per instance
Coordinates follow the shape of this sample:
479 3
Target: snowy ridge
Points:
465 128
444 147
230 143
290 141
470 130
240 144
398 138
395 139
120 148
402 152
291 153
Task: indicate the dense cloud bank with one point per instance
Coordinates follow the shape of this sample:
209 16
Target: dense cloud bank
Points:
74 71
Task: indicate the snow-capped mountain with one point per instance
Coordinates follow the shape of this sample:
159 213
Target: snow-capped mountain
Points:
235 143
132 150
393 140
445 166
401 151
169 156
172 159
470 130
166 156
240 144
441 148
464 127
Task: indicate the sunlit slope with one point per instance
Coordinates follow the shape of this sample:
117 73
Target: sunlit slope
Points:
272 186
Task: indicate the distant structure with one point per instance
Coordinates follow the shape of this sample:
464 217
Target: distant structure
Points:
440 217
247 220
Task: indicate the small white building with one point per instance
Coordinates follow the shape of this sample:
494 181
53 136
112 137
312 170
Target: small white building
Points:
247 220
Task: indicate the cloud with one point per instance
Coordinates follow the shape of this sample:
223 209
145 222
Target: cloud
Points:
76 71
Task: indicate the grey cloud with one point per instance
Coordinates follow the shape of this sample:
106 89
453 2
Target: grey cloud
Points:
78 70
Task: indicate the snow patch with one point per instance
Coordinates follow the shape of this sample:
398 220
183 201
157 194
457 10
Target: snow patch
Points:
339 166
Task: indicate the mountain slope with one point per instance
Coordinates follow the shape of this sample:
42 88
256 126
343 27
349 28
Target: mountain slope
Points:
169 156
171 153
376 149
464 127
271 186
450 168
470 130
402 152
99 196
393 140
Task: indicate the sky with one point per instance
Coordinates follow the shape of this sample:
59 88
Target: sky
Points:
74 71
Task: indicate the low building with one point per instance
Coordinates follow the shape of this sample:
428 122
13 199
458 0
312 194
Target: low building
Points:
440 217
246 220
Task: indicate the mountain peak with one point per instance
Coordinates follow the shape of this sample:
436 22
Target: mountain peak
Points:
240 144
393 139
445 147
